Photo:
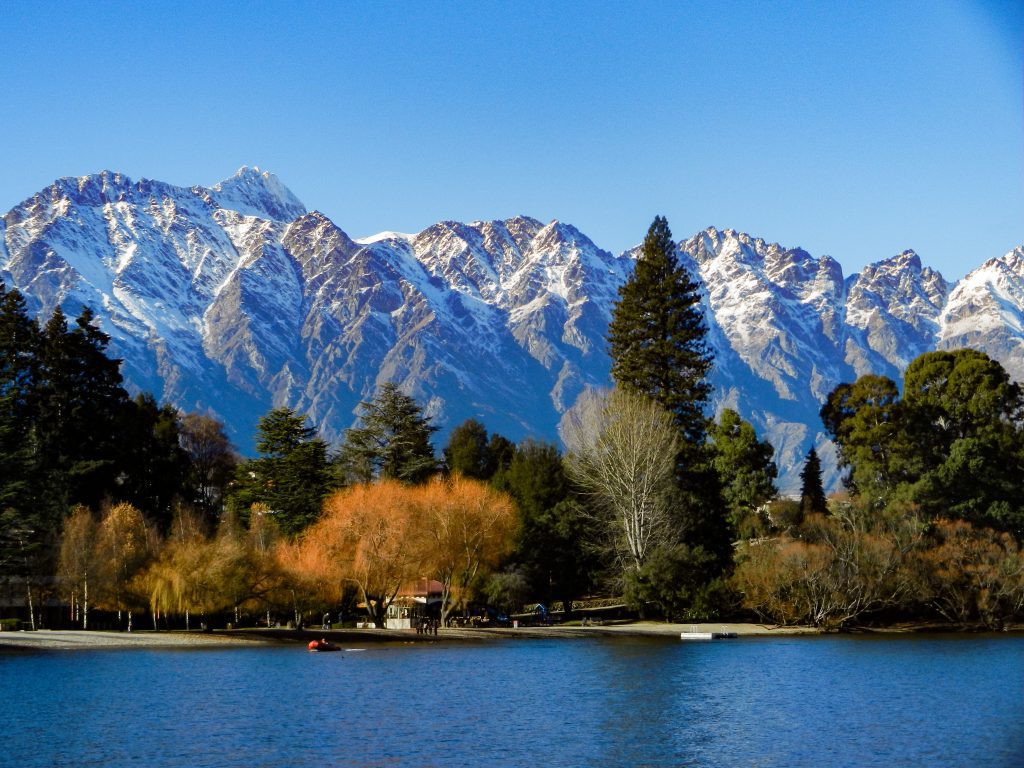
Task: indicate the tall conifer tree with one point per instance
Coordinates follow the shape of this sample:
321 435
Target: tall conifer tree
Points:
19 338
657 335
392 441
291 475
812 493
81 408
23 527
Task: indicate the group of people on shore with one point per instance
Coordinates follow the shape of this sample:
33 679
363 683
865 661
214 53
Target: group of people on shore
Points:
427 626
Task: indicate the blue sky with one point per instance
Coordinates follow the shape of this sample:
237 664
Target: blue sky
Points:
855 129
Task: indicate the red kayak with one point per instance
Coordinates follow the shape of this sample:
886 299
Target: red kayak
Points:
322 645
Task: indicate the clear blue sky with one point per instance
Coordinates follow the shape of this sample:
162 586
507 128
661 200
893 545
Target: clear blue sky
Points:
856 129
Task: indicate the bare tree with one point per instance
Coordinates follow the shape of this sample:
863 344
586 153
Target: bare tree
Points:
622 451
212 459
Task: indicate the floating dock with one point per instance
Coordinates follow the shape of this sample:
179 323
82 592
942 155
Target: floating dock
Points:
694 634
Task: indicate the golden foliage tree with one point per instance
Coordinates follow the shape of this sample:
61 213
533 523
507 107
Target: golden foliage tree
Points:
974 573
246 564
78 561
381 536
468 526
125 545
179 579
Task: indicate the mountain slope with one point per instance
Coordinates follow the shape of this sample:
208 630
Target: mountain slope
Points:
234 298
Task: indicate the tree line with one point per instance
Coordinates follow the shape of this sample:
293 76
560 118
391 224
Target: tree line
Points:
137 507
930 526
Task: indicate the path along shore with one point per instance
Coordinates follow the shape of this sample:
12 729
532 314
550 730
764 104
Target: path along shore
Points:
45 639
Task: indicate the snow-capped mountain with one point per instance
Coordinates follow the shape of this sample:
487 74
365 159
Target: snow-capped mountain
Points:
234 298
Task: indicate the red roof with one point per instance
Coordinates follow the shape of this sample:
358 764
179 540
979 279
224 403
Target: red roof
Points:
421 588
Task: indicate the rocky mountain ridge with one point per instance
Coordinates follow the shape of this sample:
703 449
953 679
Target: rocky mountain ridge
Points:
235 298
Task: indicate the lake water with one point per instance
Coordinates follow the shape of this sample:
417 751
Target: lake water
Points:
829 701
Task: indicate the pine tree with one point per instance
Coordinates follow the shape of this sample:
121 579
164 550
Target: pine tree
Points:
392 441
657 336
467 452
812 493
81 408
291 475
19 338
24 527
154 470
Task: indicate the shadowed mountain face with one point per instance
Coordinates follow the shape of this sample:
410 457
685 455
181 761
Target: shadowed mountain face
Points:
233 299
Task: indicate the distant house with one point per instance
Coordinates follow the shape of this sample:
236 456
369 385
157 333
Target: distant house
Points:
416 600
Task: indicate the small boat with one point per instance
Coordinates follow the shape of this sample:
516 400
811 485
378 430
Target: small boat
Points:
322 645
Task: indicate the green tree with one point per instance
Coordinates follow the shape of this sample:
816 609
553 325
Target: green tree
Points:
391 442
658 344
657 335
953 445
81 408
291 474
19 338
155 467
812 492
468 451
674 578
965 416
744 465
22 522
866 420
553 549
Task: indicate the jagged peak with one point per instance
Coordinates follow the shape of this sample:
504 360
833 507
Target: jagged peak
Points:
902 260
1011 262
716 238
1014 259
317 219
899 266
254 192
101 188
521 220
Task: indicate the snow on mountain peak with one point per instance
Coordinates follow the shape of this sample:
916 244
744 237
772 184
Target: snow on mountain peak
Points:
382 236
252 192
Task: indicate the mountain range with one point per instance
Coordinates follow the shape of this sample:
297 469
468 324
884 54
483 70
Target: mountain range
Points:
235 298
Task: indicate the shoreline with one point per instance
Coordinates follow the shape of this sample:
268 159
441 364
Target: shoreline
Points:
77 639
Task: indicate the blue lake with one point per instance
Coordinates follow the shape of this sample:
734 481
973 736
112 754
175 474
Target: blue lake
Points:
828 701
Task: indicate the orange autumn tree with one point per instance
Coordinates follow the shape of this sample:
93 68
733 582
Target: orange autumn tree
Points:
468 527
369 535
